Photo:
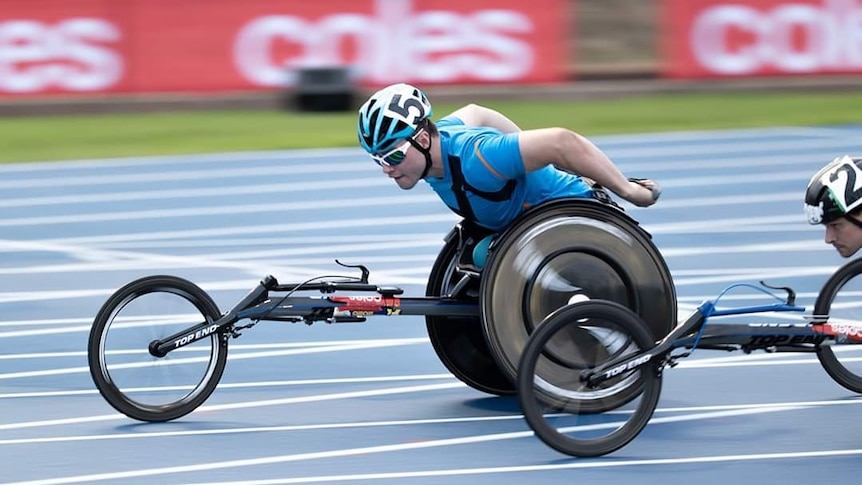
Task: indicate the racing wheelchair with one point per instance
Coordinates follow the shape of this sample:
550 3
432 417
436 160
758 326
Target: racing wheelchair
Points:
159 345
582 350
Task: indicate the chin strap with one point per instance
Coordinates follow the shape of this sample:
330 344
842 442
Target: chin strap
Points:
856 222
426 152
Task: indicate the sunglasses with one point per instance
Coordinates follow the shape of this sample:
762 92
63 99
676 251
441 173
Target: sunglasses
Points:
392 157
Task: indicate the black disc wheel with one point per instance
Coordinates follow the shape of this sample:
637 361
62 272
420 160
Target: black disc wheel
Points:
133 381
841 299
566 412
459 341
569 251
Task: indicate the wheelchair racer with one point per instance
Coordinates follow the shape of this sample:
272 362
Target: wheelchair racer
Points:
481 164
833 199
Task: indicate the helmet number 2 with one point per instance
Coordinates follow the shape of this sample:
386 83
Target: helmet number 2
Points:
846 189
403 109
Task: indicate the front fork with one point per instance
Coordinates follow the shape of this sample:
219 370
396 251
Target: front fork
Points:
222 326
593 377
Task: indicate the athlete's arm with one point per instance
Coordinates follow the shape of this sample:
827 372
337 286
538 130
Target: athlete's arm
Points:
571 151
475 115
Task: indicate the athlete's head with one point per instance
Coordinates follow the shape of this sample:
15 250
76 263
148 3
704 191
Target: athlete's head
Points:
392 121
389 118
833 199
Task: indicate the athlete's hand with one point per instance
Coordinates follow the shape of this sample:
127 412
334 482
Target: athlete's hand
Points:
641 197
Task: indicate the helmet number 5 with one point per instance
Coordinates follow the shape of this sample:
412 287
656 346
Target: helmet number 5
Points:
403 109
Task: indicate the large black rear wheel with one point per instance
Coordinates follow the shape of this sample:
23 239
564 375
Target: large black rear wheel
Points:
567 251
460 341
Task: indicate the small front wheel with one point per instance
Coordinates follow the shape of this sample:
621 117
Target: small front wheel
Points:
133 381
564 411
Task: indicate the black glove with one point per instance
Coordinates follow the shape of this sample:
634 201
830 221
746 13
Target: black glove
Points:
656 189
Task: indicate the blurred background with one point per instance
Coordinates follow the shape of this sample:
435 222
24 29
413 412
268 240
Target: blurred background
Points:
154 54
731 105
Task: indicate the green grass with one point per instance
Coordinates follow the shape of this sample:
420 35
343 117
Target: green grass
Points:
98 136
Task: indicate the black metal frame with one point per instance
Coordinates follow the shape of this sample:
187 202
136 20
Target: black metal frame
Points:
259 305
693 333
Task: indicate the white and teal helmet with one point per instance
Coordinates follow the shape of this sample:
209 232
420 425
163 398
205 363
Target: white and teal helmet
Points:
391 115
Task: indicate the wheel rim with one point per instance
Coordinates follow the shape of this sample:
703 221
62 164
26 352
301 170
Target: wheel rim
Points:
844 306
146 382
569 250
560 407
460 341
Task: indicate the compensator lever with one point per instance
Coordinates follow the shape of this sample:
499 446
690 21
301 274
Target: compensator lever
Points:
362 268
791 295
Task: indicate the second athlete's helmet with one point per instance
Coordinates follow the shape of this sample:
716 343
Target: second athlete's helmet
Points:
832 193
391 115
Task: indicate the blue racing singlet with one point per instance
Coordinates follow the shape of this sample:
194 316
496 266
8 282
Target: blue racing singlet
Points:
492 177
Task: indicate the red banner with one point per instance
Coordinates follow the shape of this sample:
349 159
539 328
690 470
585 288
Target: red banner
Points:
734 38
104 46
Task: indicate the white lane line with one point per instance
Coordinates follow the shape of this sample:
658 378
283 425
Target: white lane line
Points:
785 223
293 240
302 155
153 362
19 296
420 280
725 162
747 148
289 163
694 412
195 192
247 404
153 262
208 173
289 229
245 385
776 246
233 347
414 275
759 179
306 155
362 250
419 264
101 255
696 364
752 360
151 472
393 200
754 275
263 429
721 201
675 227
576 465
765 228
696 136
378 181
698 299
317 204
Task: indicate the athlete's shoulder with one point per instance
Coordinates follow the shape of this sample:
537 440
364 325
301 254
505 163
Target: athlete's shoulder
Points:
453 124
449 122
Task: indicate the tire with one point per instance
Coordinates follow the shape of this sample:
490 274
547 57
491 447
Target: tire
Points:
842 287
571 339
570 250
134 382
460 342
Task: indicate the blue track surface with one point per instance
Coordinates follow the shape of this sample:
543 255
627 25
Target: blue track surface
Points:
370 402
